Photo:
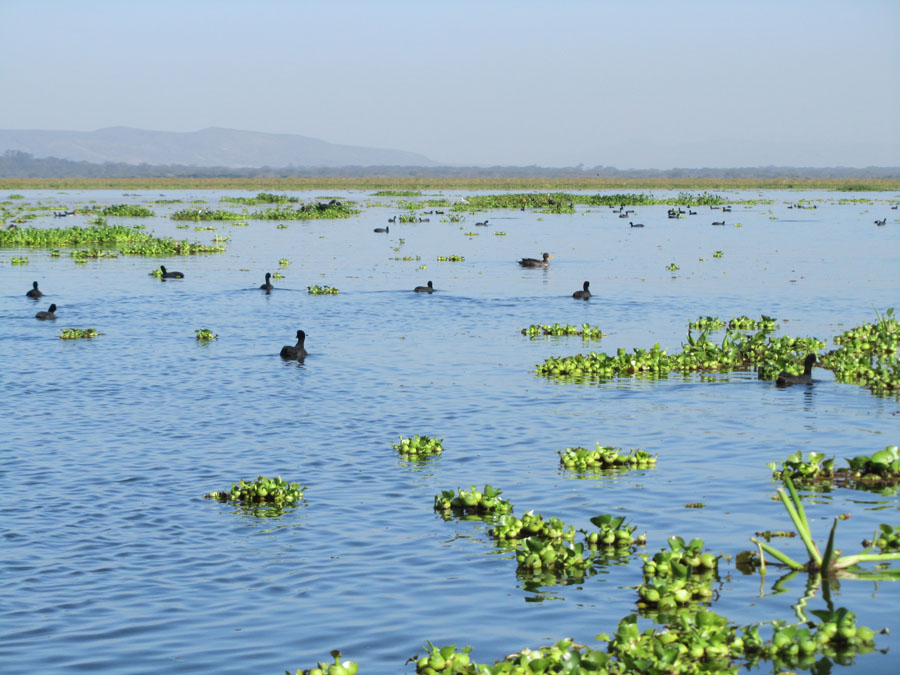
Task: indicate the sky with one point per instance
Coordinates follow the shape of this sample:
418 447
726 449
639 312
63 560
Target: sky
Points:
630 84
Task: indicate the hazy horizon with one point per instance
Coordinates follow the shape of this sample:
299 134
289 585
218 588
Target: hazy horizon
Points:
648 85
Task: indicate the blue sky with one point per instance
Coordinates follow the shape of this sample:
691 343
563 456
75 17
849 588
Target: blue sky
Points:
626 84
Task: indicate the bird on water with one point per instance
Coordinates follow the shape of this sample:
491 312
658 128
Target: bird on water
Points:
584 294
785 379
534 262
50 314
297 351
170 275
34 292
424 289
268 285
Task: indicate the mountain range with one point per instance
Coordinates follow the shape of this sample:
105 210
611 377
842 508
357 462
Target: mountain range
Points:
208 147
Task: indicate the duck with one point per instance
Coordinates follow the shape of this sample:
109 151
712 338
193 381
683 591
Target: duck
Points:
48 315
583 294
34 292
881 222
382 229
298 351
170 275
425 289
534 262
719 222
786 379
635 224
268 285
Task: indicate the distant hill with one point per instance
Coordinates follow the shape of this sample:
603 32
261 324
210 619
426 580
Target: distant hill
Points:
214 146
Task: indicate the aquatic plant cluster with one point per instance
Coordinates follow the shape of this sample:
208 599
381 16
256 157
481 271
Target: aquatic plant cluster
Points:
560 202
880 471
604 458
419 446
585 330
261 491
867 355
693 642
77 333
313 211
125 240
322 290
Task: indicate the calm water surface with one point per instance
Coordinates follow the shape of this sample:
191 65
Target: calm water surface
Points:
112 561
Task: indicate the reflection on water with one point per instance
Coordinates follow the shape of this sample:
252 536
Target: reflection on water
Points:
113 561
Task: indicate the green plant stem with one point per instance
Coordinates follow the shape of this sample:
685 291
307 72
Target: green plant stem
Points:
850 560
798 517
778 555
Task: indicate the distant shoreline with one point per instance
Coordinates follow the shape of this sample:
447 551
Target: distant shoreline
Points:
454 182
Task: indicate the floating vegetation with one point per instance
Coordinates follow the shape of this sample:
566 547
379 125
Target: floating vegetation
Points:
205 335
419 446
76 333
678 576
613 535
707 323
322 290
563 201
337 668
472 502
284 262
262 198
829 562
672 267
868 355
81 255
586 331
207 214
19 260
770 355
718 254
320 210
397 193
277 275
127 240
876 472
451 258
156 272
127 210
765 323
888 539
498 233
471 234
605 458
408 218
692 641
557 557
262 491
509 529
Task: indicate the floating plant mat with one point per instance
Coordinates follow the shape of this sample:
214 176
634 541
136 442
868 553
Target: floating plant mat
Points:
867 355
125 240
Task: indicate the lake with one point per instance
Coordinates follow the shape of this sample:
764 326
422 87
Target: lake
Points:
113 561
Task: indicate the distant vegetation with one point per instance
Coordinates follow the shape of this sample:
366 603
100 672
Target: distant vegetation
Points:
21 169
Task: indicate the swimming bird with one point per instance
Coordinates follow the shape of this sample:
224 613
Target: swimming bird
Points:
48 315
268 285
392 220
34 292
785 379
484 224
424 289
881 222
298 351
382 229
170 275
719 222
534 262
584 294
635 224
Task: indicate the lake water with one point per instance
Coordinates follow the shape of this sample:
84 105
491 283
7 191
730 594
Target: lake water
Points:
112 561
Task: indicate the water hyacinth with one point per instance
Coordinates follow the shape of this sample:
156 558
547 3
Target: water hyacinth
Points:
205 335
322 290
604 458
419 446
262 491
77 333
472 501
585 331
124 240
